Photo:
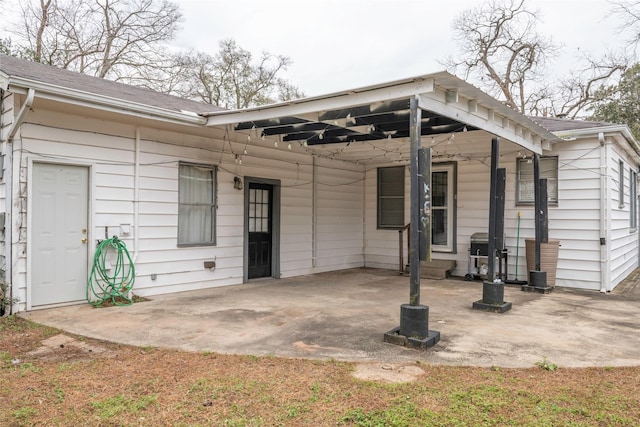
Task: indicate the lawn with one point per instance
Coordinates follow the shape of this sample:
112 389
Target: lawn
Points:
79 381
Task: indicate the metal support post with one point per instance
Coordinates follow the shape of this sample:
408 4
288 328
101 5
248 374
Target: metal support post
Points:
414 317
492 289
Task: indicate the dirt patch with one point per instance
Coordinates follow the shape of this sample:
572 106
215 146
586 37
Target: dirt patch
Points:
388 372
62 347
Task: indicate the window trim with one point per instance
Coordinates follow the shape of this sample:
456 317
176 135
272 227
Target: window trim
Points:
633 200
551 202
620 184
214 205
452 182
379 198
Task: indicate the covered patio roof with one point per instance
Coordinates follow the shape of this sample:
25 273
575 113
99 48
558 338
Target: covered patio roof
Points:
378 116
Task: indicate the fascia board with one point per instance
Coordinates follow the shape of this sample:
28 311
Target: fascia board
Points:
610 130
311 106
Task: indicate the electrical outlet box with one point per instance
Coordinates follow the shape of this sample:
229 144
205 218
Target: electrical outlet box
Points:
210 264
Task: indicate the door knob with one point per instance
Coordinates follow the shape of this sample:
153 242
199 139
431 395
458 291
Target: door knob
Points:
84 240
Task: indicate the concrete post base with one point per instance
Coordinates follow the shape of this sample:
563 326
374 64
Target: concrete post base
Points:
537 282
414 328
492 298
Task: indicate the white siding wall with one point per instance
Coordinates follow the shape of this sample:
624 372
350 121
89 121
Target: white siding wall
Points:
340 212
381 246
575 221
623 240
335 230
110 148
6 118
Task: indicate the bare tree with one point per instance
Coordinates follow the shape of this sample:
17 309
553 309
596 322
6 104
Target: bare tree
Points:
125 40
629 11
500 46
583 88
104 38
232 79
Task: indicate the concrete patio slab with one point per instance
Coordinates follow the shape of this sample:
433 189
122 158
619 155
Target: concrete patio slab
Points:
343 315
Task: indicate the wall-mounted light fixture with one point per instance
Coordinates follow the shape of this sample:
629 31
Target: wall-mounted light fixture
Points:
237 183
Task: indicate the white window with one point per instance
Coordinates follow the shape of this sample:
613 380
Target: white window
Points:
391 197
443 206
525 193
197 205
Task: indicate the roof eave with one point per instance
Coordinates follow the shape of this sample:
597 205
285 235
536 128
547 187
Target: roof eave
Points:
101 102
624 130
471 106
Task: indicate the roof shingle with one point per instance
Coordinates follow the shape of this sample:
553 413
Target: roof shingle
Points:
16 67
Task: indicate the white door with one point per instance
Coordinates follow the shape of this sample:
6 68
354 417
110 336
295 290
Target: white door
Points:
59 233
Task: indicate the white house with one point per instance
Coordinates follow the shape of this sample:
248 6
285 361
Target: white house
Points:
205 197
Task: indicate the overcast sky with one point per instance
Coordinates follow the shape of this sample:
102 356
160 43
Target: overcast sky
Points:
343 44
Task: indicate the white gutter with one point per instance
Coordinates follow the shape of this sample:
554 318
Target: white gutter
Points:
605 277
17 122
605 130
105 103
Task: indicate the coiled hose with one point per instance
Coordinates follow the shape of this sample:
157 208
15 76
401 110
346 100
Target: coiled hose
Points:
116 286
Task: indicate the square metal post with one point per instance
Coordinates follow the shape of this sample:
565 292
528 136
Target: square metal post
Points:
492 288
414 317
537 277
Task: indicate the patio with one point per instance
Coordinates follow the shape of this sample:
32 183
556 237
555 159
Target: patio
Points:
342 315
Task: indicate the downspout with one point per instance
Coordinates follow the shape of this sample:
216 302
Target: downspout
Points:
136 196
604 215
13 129
314 213
364 217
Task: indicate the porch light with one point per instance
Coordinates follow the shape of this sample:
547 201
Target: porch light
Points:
237 183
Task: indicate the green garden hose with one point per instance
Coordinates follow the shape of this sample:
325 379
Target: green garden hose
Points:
114 283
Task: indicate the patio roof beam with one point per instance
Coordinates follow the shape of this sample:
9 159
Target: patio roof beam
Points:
481 118
376 108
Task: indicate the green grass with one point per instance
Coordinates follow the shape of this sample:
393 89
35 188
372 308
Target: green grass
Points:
122 405
137 386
